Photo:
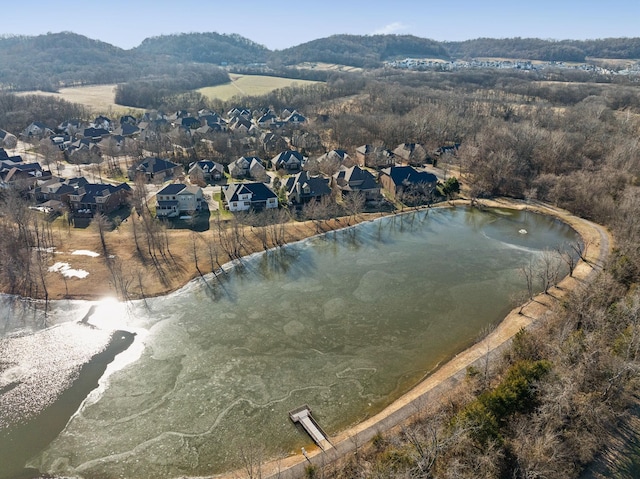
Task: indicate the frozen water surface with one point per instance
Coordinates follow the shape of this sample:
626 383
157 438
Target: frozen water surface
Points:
345 323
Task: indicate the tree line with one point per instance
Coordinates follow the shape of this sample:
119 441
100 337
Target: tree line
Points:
154 93
49 62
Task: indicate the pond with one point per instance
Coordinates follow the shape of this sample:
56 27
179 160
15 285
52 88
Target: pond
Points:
346 322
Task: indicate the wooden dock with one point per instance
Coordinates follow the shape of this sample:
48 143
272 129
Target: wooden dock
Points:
303 416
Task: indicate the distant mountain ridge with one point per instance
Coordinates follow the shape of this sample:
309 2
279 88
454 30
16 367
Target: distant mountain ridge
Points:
206 48
61 59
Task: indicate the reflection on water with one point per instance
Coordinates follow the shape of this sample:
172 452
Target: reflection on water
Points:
345 322
44 377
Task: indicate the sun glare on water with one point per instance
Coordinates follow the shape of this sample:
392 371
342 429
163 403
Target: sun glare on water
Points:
109 313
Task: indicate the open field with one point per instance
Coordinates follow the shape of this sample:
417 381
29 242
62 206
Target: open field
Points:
328 66
98 98
250 85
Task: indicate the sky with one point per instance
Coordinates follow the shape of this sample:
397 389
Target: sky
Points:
284 23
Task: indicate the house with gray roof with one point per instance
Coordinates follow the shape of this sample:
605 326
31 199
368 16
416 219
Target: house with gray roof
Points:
295 119
405 181
92 198
204 171
245 196
37 129
155 169
248 167
374 156
178 199
355 179
303 188
288 160
411 154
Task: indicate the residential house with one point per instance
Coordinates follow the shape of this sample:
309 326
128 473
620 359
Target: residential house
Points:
303 188
127 130
61 141
266 120
70 127
208 129
80 151
306 141
7 139
102 122
355 179
374 156
58 189
406 180
155 169
242 126
151 116
248 167
204 171
36 129
444 151
92 198
411 154
189 122
178 199
295 119
245 196
447 149
287 111
332 160
237 112
271 142
128 119
288 160
174 117
213 120
21 175
94 134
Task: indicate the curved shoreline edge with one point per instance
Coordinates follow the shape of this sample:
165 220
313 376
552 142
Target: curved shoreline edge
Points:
598 246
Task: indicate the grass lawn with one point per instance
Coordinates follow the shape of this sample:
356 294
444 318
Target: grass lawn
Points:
98 98
249 85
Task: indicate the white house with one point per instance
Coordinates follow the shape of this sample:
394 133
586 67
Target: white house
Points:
244 196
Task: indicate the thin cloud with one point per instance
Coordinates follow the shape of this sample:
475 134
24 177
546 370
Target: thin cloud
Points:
391 28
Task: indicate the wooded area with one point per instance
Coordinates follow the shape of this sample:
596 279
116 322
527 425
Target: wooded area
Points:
55 60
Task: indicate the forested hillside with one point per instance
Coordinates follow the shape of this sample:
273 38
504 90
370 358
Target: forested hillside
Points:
206 48
55 60
368 51
547 50
48 61
51 61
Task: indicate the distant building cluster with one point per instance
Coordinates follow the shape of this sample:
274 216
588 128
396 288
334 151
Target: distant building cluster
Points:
525 65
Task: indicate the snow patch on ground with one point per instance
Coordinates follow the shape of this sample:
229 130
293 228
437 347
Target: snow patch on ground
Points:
65 270
86 252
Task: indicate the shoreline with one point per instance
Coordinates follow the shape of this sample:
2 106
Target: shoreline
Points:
598 246
442 380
